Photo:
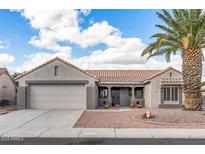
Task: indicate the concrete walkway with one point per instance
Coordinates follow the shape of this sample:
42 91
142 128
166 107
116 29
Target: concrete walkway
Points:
59 123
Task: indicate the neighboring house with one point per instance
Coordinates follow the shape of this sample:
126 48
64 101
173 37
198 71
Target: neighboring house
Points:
58 84
7 87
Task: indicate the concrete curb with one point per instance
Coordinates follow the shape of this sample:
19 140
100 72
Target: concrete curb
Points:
113 133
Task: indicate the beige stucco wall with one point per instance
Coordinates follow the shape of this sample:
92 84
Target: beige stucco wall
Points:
147 95
21 97
156 87
8 93
65 73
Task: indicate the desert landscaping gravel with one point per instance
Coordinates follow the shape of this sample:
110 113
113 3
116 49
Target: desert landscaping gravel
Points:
133 118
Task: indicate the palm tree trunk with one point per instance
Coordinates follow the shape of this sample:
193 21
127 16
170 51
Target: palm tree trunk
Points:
192 72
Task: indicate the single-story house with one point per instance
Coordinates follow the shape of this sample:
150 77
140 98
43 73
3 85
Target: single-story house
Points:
7 88
58 84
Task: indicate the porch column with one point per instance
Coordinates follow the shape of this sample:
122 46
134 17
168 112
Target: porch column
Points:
162 94
133 92
109 94
180 94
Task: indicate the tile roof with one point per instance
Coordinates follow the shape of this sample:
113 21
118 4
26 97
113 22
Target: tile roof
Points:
110 75
3 70
124 75
171 81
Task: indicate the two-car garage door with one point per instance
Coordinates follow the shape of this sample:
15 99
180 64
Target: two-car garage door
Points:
57 97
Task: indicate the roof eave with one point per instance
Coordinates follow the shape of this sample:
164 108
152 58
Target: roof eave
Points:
51 60
121 82
163 71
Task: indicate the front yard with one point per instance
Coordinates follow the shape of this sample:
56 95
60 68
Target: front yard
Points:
133 118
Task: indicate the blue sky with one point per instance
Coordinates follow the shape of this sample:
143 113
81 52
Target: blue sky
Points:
16 30
90 39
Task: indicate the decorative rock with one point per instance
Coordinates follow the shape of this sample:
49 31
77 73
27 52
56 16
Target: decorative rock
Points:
148 114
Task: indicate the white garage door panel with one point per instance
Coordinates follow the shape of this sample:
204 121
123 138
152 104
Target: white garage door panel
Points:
57 97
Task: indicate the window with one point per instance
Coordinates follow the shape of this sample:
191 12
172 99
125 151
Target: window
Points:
170 74
56 70
138 92
103 92
171 94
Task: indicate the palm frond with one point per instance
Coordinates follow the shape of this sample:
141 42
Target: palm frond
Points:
182 29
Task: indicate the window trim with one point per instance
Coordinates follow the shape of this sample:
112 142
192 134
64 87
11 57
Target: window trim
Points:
56 68
172 91
140 89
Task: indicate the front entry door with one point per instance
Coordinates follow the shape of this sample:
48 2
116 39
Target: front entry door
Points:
115 97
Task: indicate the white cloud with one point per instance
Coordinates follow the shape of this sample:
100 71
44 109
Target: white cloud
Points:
6 59
4 44
36 59
86 12
127 52
51 19
53 26
63 25
152 63
95 34
57 26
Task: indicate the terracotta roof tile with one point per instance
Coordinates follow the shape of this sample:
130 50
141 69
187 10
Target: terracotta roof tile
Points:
123 75
171 80
110 75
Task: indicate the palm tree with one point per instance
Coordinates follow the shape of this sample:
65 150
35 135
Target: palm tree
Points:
183 32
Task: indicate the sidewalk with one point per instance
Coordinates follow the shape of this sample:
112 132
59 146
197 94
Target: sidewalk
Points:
131 133
112 133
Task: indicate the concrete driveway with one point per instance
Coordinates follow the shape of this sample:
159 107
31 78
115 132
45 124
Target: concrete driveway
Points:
36 123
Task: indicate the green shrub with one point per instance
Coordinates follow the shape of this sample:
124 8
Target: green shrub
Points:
107 106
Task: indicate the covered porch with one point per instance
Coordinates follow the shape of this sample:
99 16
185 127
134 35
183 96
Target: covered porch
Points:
118 95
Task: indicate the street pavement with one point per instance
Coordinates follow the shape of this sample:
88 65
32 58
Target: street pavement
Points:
102 141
